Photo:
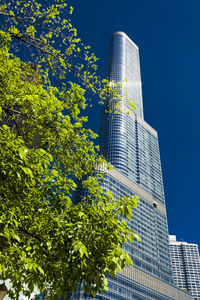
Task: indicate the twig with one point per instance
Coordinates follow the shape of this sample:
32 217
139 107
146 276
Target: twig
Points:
14 111
30 234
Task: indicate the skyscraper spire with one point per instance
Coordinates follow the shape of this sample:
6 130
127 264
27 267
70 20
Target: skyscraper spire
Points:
123 65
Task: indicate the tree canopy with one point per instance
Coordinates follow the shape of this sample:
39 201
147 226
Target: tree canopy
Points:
46 241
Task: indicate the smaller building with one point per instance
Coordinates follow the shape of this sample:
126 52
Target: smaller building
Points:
185 266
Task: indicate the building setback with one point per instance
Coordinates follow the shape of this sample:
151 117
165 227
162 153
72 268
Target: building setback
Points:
131 146
186 266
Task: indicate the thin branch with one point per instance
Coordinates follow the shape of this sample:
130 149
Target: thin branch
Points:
41 18
17 127
13 16
35 43
13 111
23 39
30 234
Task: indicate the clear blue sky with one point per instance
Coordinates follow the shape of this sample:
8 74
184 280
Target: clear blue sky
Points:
168 35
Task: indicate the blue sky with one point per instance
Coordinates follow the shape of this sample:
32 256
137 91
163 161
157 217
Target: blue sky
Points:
168 35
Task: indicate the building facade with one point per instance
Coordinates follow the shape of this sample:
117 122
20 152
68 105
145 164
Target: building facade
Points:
131 145
185 266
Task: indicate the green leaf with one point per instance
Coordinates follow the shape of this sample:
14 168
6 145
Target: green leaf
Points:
54 173
40 270
15 236
22 153
27 171
81 214
137 237
83 250
130 237
110 194
16 223
28 248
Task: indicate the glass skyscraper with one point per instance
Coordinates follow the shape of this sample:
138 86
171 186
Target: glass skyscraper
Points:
186 266
131 146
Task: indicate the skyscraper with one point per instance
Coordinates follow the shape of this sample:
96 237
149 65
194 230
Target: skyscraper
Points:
186 266
131 146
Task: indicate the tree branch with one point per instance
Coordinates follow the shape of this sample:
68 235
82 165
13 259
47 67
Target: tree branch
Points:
13 110
30 234
23 39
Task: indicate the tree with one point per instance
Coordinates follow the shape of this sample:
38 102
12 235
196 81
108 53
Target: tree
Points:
46 241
